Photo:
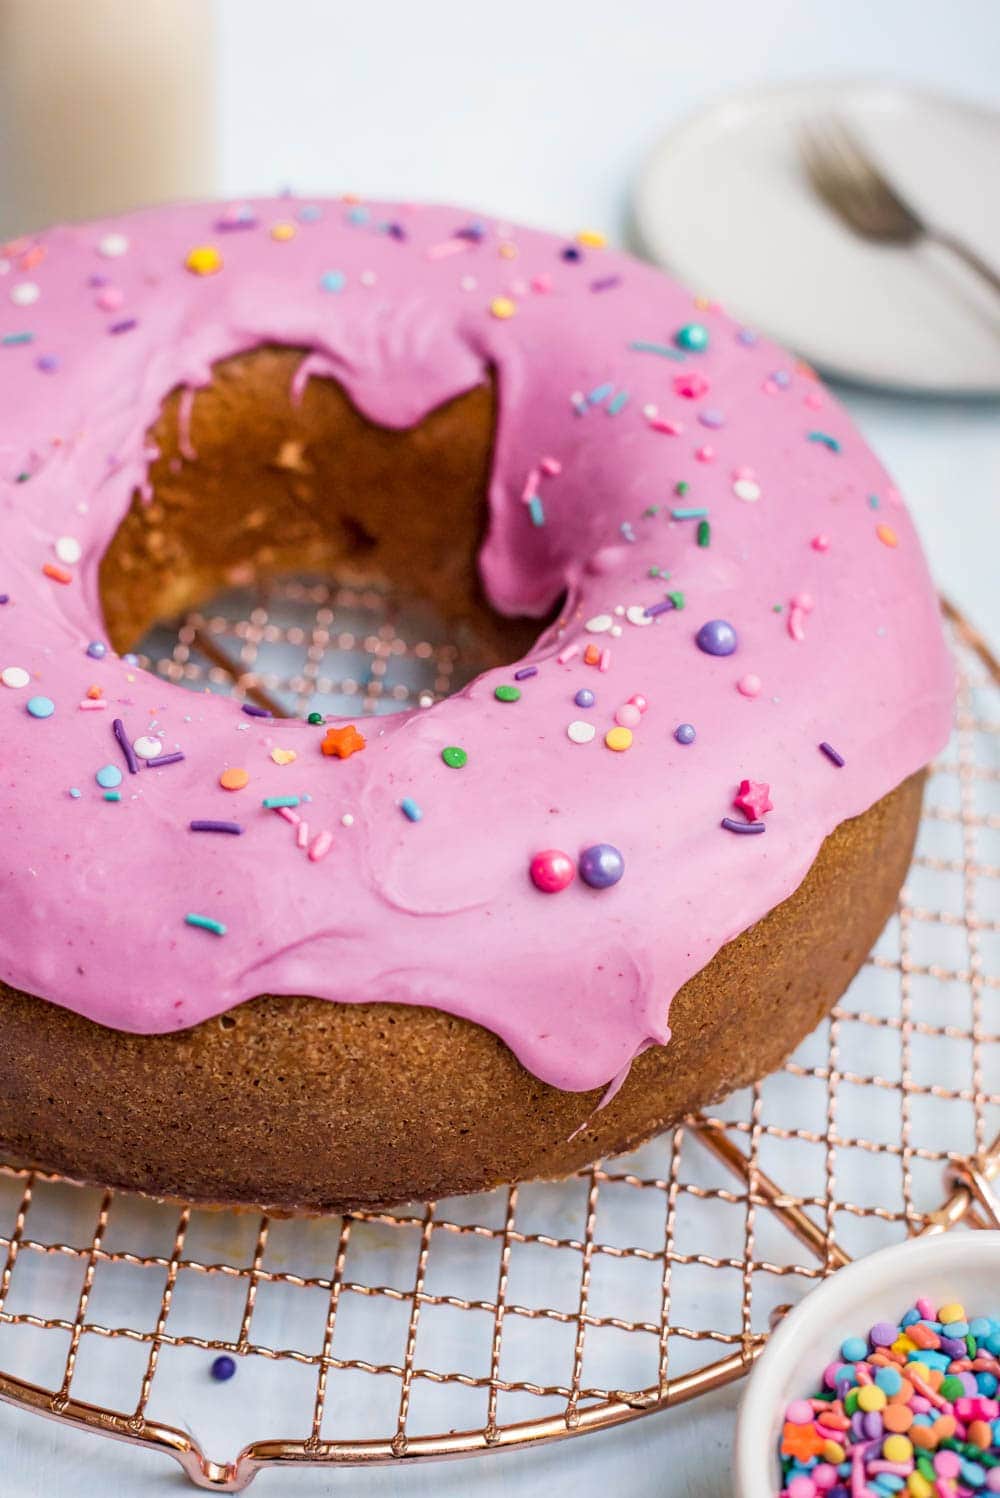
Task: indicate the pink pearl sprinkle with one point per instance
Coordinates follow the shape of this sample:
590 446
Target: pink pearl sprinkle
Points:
705 454
801 1487
799 1412
814 401
749 685
821 543
628 716
639 701
110 299
541 283
824 1476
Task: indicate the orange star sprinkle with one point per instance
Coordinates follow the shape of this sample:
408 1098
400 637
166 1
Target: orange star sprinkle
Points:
343 742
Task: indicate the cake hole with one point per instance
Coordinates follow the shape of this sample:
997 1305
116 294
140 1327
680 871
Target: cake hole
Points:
304 557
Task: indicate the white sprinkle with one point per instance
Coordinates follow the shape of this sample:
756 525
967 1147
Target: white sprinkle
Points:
746 489
146 747
616 631
368 278
68 550
599 625
111 246
347 820
25 293
619 609
579 732
636 614
14 676
302 835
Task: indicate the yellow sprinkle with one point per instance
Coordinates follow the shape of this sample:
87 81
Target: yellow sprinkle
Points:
897 1449
918 1486
888 537
833 1452
283 756
593 238
503 306
903 1344
204 260
918 1370
702 303
508 251
619 739
871 1398
283 231
954 1312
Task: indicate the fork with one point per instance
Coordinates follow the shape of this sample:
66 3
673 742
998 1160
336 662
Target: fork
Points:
848 181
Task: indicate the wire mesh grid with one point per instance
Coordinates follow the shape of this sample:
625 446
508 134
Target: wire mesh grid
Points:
547 1309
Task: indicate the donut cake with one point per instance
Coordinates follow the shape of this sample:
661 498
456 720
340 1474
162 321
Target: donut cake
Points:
317 964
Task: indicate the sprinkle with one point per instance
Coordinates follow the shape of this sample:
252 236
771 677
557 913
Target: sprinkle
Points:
628 715
148 747
283 756
704 533
580 732
536 510
567 653
887 535
273 803
206 923
503 307
302 833
833 754
40 707
203 260
68 550
693 337
316 719
234 779
749 685
124 326
112 246
753 799
747 490
223 1368
108 776
343 742
454 757
14 676
601 865
640 346
321 846
600 393
731 825
662 607
410 809
158 763
57 574
507 693
551 871
663 424
717 637
820 543
25 293
825 440
112 795
12 340
525 673
332 280
253 711
692 386
691 513
684 733
605 283
619 739
604 664
203 825
592 238
618 403
599 624
97 650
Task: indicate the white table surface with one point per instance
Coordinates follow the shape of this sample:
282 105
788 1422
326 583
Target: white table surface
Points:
542 112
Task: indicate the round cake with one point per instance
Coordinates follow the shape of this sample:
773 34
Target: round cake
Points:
321 964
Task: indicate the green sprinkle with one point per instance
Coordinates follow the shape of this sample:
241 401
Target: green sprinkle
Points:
682 487
206 923
826 440
272 801
704 533
776 608
112 795
316 719
677 599
951 1387
507 694
650 511
654 572
454 757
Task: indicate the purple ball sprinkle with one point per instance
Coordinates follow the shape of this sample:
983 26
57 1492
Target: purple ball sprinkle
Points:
584 697
47 363
223 1368
97 650
601 866
684 733
747 337
4 598
253 711
712 418
716 637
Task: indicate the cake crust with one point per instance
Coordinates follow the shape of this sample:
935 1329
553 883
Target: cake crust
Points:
302 1106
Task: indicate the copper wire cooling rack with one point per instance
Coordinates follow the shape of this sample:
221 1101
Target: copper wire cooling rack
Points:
546 1310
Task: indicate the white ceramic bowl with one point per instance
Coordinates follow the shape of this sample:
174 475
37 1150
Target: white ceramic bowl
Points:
956 1266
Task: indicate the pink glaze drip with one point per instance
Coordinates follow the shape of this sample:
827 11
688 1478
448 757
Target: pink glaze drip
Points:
442 911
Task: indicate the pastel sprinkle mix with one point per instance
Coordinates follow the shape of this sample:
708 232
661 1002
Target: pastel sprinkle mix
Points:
696 512
205 923
410 809
580 732
911 1407
174 758
619 739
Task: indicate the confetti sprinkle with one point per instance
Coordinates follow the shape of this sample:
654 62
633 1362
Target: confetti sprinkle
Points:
887 535
833 754
108 776
203 260
14 677
283 756
580 732
205 923
148 747
68 550
505 693
503 307
619 739
234 779
40 707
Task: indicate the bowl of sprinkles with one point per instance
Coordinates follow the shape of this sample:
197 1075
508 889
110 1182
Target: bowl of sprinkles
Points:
884 1380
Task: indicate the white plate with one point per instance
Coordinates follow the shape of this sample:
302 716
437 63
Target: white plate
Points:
723 203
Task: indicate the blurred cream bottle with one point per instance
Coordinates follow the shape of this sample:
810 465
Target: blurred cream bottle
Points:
104 105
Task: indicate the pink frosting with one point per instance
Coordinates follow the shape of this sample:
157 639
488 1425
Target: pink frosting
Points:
839 625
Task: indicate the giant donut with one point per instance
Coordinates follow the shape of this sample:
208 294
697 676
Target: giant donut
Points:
677 820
